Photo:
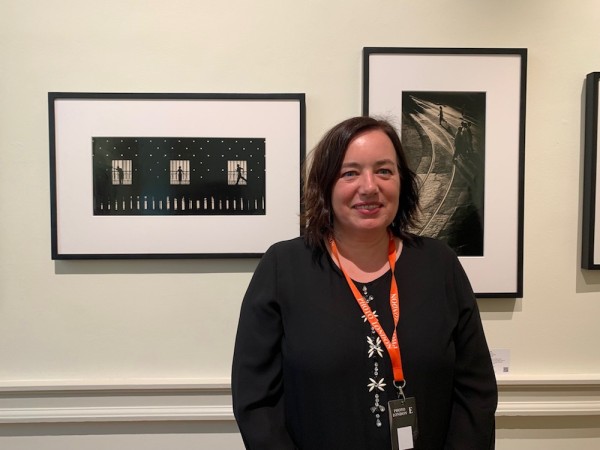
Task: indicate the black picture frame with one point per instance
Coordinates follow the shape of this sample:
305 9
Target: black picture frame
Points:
590 245
436 98
173 175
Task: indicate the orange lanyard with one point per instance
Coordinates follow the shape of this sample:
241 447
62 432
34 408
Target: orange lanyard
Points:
392 346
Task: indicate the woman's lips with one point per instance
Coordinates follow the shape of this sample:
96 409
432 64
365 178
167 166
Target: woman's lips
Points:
367 207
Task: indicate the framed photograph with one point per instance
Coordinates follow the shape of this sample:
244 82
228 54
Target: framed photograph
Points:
174 175
590 251
461 117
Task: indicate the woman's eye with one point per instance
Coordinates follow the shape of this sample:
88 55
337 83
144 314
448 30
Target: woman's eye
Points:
385 171
349 173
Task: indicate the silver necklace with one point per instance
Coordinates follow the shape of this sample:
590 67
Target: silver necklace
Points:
374 352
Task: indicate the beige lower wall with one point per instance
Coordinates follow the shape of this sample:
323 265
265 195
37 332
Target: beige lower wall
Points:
548 433
117 436
532 414
514 433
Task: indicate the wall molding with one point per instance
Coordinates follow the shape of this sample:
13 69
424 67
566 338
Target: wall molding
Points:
210 400
116 414
553 395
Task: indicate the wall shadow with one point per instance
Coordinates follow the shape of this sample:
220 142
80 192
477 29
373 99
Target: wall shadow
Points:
158 266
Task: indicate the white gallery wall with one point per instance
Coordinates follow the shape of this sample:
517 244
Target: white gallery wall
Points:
136 353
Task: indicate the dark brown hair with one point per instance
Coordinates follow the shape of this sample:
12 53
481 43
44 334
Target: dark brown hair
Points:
326 162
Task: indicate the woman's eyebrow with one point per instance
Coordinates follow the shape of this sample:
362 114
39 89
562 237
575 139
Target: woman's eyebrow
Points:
380 162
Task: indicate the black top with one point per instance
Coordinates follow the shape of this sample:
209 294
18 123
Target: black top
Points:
307 369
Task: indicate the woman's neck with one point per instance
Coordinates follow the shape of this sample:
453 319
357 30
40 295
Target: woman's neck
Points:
364 258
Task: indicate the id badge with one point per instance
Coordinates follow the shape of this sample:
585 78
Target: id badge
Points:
403 423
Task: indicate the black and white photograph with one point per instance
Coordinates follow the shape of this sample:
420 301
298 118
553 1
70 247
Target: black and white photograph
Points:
174 175
460 113
443 134
590 250
179 175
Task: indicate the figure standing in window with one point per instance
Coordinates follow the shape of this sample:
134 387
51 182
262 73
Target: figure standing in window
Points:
239 175
179 174
120 174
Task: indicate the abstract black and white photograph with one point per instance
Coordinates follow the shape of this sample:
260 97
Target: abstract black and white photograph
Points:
460 113
161 175
179 175
443 134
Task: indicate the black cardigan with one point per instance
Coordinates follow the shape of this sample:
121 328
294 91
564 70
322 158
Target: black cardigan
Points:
300 370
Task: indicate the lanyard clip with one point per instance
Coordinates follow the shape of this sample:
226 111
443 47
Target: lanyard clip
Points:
400 385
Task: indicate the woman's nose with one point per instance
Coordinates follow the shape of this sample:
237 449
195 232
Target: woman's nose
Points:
367 183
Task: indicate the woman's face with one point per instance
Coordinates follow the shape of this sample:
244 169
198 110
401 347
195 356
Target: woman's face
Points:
366 195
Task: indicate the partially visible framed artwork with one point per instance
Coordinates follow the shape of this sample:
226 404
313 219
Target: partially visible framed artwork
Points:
174 175
590 251
461 117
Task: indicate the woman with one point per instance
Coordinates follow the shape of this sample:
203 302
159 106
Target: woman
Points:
318 356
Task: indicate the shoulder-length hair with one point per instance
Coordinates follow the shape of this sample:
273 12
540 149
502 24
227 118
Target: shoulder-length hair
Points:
326 162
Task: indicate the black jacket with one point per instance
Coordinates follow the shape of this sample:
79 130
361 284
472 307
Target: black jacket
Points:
301 371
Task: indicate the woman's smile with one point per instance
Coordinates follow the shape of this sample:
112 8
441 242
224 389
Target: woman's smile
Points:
367 207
